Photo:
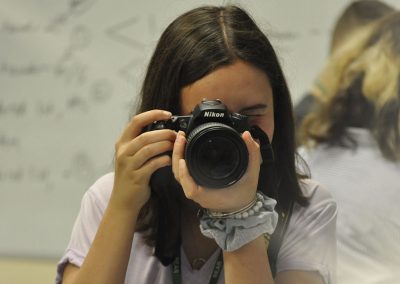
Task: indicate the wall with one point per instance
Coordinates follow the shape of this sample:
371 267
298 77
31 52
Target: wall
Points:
34 271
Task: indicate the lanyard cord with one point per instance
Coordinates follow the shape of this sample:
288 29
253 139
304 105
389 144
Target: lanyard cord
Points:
176 270
272 254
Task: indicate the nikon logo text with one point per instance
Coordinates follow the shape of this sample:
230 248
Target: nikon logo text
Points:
213 114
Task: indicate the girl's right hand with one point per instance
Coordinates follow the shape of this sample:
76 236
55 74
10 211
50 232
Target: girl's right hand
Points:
137 157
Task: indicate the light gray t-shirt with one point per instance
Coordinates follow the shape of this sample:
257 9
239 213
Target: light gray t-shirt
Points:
367 190
309 243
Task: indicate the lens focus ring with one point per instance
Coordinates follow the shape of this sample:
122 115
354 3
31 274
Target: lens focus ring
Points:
216 155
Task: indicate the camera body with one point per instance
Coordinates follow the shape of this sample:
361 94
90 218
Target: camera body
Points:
215 153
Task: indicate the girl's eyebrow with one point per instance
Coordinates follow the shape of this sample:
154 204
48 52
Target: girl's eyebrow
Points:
253 107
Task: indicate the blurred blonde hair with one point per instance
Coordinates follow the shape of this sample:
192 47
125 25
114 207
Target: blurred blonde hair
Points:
357 15
359 86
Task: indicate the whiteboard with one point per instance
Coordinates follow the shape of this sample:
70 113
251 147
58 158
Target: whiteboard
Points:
69 74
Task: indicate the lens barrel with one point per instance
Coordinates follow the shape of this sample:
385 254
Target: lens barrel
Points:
216 155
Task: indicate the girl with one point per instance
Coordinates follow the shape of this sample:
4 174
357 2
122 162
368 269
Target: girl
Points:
136 229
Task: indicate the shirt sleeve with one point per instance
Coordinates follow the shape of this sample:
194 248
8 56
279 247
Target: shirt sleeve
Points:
83 232
310 240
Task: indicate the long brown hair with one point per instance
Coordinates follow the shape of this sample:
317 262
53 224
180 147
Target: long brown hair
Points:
193 45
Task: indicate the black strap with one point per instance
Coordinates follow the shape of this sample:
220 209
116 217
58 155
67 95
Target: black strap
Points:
276 238
270 180
266 150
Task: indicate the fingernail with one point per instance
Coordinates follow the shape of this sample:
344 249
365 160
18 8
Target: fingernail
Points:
251 137
179 136
167 113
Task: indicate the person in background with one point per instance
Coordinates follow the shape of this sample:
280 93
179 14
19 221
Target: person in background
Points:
351 143
140 224
355 16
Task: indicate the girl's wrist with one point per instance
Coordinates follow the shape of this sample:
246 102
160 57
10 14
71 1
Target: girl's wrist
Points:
254 204
234 229
123 209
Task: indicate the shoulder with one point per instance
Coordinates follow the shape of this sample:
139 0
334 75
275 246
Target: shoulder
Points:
310 243
104 184
320 199
101 189
321 210
315 191
94 202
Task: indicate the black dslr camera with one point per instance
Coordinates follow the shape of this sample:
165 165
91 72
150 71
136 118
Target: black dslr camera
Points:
215 153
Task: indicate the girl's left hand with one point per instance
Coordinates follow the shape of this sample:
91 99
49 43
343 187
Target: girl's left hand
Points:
227 199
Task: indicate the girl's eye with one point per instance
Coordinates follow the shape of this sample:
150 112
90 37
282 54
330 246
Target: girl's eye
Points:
255 110
254 119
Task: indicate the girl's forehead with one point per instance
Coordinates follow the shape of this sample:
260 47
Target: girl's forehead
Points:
237 85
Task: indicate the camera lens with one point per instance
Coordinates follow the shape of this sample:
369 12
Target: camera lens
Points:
216 155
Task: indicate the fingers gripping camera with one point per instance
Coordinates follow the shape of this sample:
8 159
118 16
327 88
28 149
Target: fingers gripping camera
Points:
215 153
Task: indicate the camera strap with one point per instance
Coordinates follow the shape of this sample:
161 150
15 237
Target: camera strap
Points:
275 240
266 150
269 180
